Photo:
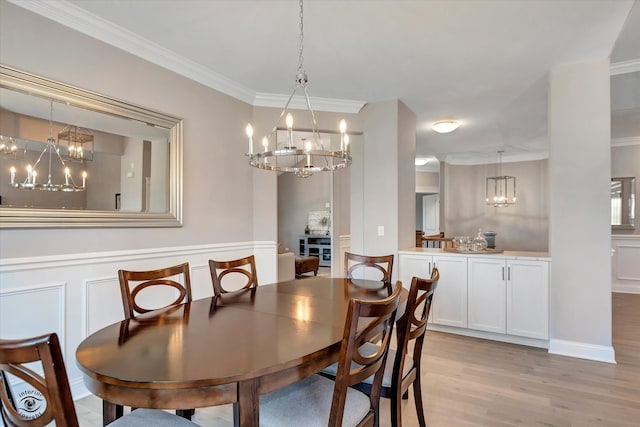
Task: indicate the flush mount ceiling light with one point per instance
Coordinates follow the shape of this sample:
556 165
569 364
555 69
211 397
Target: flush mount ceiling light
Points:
501 190
312 155
445 126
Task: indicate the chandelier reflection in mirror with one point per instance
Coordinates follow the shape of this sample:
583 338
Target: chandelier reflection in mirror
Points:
51 155
312 155
501 190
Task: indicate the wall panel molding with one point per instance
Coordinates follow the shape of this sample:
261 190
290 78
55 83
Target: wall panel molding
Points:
625 270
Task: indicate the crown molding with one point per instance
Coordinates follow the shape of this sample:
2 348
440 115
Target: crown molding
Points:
624 67
78 19
625 142
263 99
487 159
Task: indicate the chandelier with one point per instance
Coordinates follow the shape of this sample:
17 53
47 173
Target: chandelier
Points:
501 190
79 143
312 155
51 151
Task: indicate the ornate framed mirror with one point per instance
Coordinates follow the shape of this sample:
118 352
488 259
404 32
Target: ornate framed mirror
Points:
129 175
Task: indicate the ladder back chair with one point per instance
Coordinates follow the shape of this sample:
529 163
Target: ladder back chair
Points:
364 267
153 278
243 266
319 401
50 396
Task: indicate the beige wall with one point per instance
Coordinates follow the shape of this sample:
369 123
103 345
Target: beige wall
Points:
218 184
522 227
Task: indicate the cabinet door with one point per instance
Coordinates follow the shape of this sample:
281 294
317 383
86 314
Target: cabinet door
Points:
486 294
414 265
450 297
528 298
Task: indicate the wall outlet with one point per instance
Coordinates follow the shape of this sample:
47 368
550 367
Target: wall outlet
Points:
381 230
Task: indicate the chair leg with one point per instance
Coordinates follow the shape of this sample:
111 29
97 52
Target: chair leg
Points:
396 415
417 394
405 396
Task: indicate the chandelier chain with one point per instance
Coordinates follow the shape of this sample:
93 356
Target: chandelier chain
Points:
300 55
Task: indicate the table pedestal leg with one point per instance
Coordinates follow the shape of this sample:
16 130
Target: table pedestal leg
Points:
185 413
110 412
246 409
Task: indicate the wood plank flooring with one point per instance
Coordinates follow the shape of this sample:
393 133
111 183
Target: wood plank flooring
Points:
474 382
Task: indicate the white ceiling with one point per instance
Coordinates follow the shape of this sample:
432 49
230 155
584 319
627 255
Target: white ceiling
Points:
483 62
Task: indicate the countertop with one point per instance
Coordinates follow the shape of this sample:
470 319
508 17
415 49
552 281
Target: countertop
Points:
534 256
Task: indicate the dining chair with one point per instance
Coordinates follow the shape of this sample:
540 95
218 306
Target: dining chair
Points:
319 401
48 397
153 278
403 367
239 267
368 267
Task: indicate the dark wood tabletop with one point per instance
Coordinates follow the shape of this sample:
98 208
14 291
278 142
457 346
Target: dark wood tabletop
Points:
228 349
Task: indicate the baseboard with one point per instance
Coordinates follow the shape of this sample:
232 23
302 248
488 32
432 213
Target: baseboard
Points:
78 389
511 339
600 353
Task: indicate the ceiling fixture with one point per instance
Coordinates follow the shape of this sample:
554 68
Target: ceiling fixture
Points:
445 126
9 148
79 143
312 155
421 161
501 190
31 181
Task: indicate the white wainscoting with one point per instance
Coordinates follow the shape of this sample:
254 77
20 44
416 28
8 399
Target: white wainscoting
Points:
625 263
77 294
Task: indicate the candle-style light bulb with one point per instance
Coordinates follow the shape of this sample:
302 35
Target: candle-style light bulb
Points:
343 129
249 131
307 148
34 174
67 172
346 142
289 121
13 175
84 179
265 143
29 174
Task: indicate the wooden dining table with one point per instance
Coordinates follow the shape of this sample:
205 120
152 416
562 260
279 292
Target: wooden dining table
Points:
218 350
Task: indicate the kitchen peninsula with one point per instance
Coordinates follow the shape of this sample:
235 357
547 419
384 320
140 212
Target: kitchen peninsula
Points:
500 296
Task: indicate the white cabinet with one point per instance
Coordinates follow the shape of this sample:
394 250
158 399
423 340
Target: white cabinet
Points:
503 296
509 296
450 298
486 295
528 298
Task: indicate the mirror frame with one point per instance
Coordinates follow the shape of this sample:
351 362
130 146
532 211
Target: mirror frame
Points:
632 181
13 79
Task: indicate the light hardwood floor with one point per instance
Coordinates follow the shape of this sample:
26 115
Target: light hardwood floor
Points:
473 382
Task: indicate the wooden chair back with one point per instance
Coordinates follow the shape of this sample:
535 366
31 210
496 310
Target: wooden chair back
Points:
243 266
153 278
52 387
380 265
353 366
412 326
